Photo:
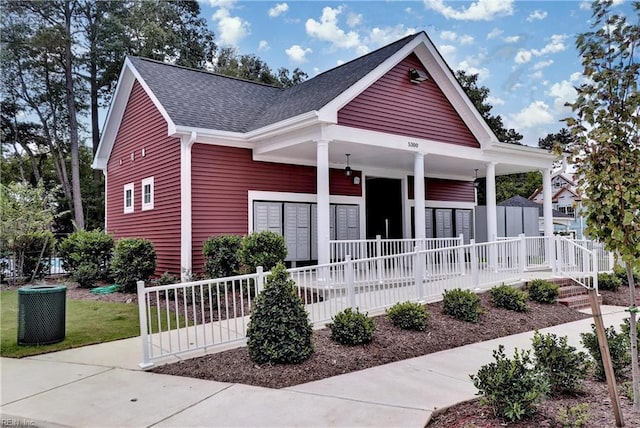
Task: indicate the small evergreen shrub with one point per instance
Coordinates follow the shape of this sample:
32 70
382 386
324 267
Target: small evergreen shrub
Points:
408 316
462 304
221 255
504 296
511 386
86 255
609 281
134 259
264 249
574 416
279 331
352 328
564 367
618 349
543 291
621 272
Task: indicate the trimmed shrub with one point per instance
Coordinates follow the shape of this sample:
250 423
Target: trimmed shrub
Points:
221 255
352 328
511 387
618 349
609 281
543 291
626 329
265 249
621 272
279 331
86 255
134 259
462 304
564 367
504 296
408 316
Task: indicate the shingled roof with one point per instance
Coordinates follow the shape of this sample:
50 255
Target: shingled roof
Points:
519 201
199 99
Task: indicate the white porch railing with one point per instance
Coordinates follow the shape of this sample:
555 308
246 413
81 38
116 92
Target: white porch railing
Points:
186 317
367 248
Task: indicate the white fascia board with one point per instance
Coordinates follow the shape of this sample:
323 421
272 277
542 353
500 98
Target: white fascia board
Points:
284 126
289 138
128 76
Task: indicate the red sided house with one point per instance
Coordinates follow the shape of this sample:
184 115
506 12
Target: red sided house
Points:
188 154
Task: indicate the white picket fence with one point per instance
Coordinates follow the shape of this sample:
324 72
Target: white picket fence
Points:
197 315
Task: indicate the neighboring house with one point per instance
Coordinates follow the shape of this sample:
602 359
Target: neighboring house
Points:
561 221
566 199
188 154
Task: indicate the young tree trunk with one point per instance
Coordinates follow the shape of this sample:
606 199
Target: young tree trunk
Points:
633 336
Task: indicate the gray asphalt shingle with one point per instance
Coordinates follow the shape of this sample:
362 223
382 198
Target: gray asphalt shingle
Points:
200 99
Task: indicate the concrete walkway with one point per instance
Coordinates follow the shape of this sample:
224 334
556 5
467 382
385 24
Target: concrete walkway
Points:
100 386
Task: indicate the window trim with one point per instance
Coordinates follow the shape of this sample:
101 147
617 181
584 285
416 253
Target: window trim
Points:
149 181
128 208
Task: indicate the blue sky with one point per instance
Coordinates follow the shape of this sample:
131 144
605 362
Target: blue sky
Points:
523 51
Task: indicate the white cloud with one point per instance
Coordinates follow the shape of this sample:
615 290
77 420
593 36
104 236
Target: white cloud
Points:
327 30
536 113
263 45
537 14
297 53
339 62
494 33
226 4
482 72
523 57
511 39
537 75
466 39
383 36
564 91
556 45
448 35
231 29
354 19
481 10
495 101
278 9
542 64
447 49
585 5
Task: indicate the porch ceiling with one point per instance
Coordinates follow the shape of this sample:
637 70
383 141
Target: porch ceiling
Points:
369 157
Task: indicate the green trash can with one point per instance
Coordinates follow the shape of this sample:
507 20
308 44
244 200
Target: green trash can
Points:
41 314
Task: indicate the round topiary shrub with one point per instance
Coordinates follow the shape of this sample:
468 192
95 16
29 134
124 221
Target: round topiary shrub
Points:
221 255
264 249
543 291
134 259
504 296
610 281
462 304
279 331
562 364
352 327
408 316
86 255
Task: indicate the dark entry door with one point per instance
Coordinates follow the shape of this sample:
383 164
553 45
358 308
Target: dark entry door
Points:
384 207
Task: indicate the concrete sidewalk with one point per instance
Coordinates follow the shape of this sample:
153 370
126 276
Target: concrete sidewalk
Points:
99 386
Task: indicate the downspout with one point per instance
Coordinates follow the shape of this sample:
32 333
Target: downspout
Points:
186 237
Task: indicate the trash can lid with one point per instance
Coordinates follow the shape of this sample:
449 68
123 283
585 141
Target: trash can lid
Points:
42 289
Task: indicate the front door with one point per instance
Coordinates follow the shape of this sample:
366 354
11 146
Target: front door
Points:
384 207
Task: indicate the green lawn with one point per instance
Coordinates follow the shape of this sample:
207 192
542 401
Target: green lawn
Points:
88 322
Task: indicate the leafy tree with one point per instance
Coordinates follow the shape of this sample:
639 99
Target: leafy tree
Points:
478 96
606 146
557 141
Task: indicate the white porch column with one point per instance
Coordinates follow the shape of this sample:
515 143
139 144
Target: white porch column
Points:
418 196
186 262
547 203
322 192
547 211
492 216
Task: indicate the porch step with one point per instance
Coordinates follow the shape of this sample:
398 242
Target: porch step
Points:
577 302
571 290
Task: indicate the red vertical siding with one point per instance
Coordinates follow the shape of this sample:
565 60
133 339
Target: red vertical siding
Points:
437 189
395 105
143 127
221 178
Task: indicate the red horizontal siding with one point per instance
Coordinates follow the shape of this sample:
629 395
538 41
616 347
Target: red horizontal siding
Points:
221 178
437 189
395 105
143 126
